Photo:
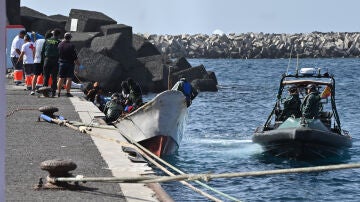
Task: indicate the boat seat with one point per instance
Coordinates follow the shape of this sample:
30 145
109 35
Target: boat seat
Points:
325 117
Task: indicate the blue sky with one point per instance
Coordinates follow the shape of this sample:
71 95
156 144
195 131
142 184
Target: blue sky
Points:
229 16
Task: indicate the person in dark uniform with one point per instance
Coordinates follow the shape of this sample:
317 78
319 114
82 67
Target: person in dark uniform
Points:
50 53
311 105
291 105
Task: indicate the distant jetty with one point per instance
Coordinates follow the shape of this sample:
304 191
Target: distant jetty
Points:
259 45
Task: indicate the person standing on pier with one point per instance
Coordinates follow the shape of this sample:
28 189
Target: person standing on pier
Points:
50 52
27 58
15 51
67 60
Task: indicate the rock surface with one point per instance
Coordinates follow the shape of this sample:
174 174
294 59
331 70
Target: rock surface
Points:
259 45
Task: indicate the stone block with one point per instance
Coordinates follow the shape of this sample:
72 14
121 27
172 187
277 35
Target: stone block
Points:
204 85
60 18
143 47
190 74
116 46
83 39
125 30
87 21
38 22
97 67
158 72
13 12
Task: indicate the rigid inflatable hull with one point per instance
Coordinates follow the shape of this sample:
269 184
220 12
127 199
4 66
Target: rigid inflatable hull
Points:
302 142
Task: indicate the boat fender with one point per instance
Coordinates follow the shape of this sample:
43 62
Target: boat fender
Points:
46 118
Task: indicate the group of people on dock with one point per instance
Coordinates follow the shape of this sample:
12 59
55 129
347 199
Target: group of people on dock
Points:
309 108
51 59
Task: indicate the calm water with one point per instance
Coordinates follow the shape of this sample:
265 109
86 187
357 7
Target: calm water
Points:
217 138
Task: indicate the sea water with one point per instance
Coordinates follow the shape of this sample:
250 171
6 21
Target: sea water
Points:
217 137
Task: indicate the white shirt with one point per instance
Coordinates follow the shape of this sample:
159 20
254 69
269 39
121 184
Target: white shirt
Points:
16 44
38 47
28 49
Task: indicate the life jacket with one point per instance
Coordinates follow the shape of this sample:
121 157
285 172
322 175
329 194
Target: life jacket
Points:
186 88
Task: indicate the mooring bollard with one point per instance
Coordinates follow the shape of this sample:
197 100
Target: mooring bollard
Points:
57 168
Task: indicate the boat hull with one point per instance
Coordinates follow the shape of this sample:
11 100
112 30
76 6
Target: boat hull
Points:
302 142
159 124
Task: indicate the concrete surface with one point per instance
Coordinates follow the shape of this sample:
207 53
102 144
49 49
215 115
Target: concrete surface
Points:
29 142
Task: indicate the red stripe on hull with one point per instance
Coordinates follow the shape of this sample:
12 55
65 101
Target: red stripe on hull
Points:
160 145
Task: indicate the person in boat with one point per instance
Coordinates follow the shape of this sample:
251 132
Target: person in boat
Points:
311 105
291 105
91 94
125 92
135 95
187 89
113 108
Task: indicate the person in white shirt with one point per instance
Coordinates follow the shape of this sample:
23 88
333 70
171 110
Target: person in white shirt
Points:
38 60
15 50
27 56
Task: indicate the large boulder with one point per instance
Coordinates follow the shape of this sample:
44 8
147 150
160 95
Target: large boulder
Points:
116 46
87 21
198 76
179 65
190 74
143 47
117 28
36 21
62 19
97 67
83 39
158 71
204 85
13 12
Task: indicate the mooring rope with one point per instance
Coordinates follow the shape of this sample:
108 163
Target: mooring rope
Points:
85 129
174 168
208 177
19 109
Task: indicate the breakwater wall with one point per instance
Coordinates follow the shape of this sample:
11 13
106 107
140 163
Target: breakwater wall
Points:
259 45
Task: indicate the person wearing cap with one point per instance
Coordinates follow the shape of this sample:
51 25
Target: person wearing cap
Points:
15 50
67 60
113 108
187 89
311 105
291 104
50 53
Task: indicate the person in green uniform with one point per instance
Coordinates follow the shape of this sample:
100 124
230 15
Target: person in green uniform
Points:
311 105
291 105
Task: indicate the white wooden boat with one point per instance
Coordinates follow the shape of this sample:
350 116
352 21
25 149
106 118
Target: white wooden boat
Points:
158 125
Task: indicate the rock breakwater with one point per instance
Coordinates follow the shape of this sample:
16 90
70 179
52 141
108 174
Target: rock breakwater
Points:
259 45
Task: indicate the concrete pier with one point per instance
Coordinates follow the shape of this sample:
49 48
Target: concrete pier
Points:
30 142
